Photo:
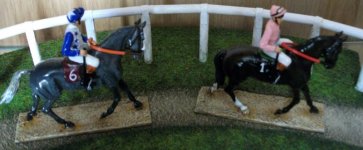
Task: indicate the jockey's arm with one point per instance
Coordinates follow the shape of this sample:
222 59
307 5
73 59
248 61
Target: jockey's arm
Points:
85 46
84 38
264 42
66 48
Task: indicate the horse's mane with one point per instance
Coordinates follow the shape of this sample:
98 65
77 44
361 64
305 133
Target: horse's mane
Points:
308 44
117 37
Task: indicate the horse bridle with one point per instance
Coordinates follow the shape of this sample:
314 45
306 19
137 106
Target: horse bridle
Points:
330 50
138 35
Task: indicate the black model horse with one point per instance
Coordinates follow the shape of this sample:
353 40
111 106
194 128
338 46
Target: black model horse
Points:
47 78
244 61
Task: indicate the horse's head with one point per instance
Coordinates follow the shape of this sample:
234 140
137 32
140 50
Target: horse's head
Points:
127 38
332 47
327 47
135 40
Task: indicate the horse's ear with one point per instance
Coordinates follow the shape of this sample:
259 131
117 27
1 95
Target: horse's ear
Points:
339 34
143 24
138 22
344 38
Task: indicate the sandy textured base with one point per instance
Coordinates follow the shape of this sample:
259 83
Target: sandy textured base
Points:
262 109
87 120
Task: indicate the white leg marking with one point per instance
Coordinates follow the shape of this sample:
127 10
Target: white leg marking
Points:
242 107
214 87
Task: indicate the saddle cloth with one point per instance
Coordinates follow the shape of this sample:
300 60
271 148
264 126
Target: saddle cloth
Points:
72 70
260 61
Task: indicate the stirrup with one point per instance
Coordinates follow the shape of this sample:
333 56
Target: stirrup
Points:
277 79
89 86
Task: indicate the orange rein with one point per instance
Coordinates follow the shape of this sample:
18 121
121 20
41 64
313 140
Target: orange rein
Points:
287 47
104 50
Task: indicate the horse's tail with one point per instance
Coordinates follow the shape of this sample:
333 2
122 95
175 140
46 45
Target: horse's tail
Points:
219 71
13 87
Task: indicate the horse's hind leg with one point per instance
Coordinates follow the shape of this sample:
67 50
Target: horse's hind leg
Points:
229 89
295 100
219 74
33 111
123 85
48 110
220 77
306 91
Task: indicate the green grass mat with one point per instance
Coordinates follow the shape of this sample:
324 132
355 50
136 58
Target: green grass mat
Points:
206 138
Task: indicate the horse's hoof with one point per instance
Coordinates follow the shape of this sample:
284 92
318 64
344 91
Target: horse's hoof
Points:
29 117
137 105
104 115
69 124
282 111
314 110
279 112
245 110
213 88
108 112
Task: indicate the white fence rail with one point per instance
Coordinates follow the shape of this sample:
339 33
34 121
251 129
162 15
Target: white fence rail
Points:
203 9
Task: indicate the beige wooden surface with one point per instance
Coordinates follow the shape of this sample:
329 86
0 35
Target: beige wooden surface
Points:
17 11
262 109
86 118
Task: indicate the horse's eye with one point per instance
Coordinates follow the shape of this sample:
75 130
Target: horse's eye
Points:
142 34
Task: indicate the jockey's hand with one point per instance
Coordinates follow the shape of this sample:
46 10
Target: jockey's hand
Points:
83 52
91 41
277 49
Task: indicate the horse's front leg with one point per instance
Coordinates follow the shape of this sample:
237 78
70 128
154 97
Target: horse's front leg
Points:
116 100
123 85
295 100
306 92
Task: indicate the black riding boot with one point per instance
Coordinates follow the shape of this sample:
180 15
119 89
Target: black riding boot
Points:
85 80
278 72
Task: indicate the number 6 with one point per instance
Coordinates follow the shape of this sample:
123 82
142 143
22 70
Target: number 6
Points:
72 75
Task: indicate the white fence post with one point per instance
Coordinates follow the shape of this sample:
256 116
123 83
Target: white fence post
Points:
359 86
257 28
315 31
90 25
148 54
203 31
32 42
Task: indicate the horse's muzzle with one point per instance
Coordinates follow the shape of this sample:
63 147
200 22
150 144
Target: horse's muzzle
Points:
328 65
137 55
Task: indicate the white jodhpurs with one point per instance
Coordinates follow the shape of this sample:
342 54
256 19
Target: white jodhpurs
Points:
283 58
283 40
90 60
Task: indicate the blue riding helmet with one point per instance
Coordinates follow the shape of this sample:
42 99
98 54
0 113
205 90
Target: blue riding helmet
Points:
75 14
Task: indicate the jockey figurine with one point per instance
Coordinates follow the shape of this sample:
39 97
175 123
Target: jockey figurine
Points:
270 40
75 45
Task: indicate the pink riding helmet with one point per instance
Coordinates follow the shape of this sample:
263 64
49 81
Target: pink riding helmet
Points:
277 11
